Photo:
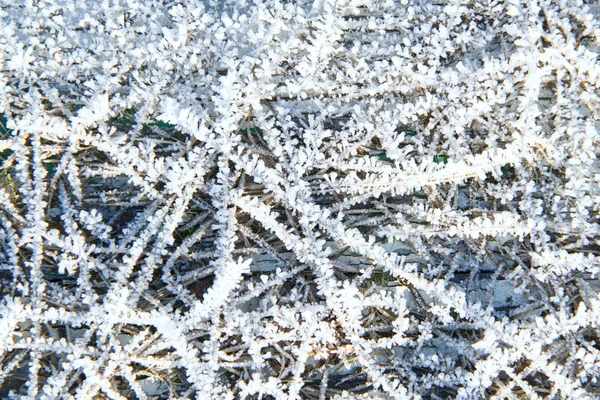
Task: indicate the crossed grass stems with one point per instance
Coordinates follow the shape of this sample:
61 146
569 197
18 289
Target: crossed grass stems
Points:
320 377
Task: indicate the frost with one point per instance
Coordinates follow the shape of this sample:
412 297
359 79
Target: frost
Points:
311 199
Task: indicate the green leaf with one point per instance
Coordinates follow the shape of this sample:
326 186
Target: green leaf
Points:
254 131
385 158
76 107
127 118
440 158
50 165
4 155
508 170
3 122
161 124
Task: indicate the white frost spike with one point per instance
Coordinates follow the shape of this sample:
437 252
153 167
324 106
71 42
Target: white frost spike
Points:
97 110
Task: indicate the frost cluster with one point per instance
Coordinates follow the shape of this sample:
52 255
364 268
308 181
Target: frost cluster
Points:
299 200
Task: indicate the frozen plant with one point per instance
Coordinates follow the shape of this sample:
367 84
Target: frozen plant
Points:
299 200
